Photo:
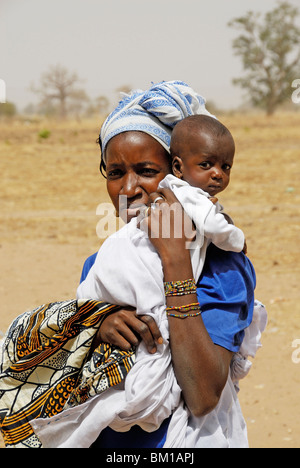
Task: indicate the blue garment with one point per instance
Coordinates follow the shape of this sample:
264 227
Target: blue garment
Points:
225 293
134 438
87 266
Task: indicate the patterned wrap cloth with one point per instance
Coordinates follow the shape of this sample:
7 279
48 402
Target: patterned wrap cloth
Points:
154 112
46 365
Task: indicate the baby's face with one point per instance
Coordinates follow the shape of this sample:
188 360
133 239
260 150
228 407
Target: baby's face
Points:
206 162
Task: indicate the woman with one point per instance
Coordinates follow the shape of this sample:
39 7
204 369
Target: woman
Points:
135 144
202 347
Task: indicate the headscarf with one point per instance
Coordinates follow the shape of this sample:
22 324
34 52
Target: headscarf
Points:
154 112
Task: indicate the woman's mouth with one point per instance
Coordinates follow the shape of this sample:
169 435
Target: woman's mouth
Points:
127 213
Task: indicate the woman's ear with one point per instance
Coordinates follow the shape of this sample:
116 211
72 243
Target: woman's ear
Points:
177 167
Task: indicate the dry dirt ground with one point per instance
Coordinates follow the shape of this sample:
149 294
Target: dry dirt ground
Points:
50 188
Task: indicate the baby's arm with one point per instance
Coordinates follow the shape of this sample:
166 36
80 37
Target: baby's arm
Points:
214 200
208 218
221 231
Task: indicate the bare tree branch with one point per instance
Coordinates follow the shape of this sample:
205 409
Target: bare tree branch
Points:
59 86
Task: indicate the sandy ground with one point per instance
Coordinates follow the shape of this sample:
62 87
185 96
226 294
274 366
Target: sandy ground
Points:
50 189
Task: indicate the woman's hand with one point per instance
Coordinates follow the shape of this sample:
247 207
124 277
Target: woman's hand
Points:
169 228
125 329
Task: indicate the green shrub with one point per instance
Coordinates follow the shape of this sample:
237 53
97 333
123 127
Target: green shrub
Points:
44 133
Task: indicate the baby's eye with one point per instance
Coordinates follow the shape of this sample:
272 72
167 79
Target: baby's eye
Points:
205 165
226 167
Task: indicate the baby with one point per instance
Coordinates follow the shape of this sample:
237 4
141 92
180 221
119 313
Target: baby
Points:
203 149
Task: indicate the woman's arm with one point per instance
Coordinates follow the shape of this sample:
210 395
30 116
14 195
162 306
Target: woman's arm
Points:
200 366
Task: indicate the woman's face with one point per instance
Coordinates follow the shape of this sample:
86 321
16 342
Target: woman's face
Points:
135 164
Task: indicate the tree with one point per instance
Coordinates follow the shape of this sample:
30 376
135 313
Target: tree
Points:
270 51
58 88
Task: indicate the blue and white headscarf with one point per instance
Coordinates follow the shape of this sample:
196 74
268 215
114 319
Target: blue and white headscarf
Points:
154 112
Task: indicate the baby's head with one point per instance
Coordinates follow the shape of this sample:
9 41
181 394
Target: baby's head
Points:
202 150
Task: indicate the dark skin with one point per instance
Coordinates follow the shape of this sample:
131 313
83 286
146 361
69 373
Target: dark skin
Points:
200 366
135 164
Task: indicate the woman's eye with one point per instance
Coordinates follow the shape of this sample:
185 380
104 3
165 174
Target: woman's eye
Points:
113 174
148 172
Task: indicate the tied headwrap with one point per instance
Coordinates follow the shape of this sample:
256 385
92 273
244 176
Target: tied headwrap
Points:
154 112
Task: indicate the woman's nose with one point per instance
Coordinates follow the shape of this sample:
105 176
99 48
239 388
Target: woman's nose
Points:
130 185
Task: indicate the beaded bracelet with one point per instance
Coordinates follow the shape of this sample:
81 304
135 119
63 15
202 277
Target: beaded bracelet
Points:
183 316
184 308
180 288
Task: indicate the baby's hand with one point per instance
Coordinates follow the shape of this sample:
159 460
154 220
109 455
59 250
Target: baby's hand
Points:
214 200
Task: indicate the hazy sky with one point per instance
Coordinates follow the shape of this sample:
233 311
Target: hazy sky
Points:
110 43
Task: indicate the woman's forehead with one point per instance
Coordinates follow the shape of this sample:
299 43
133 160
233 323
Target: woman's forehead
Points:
134 148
